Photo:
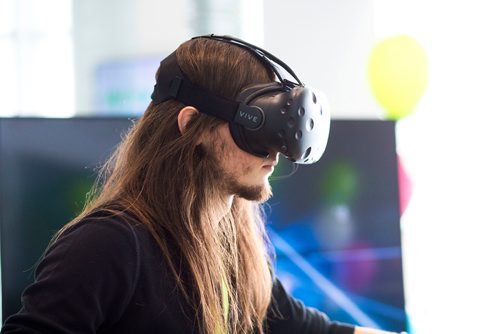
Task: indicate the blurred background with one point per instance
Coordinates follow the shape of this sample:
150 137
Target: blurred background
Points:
431 67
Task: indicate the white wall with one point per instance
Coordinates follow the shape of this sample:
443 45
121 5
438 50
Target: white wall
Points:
327 44
121 29
452 227
36 58
125 29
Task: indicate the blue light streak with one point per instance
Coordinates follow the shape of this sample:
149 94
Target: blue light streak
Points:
330 289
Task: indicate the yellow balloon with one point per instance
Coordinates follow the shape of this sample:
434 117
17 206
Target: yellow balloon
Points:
398 74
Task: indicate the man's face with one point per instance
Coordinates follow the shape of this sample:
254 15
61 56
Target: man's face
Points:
244 174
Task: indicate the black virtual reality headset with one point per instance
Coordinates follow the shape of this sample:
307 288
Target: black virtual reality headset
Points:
282 116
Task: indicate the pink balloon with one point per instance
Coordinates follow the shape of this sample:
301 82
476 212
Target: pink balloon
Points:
405 186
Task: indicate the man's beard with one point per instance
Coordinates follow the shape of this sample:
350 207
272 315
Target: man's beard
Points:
260 193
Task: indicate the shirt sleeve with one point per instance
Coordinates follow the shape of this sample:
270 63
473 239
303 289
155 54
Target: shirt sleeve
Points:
288 315
83 283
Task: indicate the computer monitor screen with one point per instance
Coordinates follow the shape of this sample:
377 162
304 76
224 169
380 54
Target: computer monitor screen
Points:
334 224
335 227
46 168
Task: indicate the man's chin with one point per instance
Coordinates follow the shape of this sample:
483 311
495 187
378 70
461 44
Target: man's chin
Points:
260 193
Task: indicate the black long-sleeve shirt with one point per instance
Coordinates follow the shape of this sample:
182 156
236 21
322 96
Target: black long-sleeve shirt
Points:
108 276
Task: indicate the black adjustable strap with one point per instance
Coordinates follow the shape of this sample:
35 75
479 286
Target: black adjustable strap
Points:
173 84
266 58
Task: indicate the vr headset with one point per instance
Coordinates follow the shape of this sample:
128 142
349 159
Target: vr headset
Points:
282 116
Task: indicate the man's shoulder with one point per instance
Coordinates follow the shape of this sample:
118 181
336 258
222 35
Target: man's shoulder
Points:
105 224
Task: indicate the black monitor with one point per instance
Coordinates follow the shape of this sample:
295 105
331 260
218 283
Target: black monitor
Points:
334 224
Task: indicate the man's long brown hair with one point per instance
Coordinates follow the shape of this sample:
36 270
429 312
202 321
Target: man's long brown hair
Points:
171 183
